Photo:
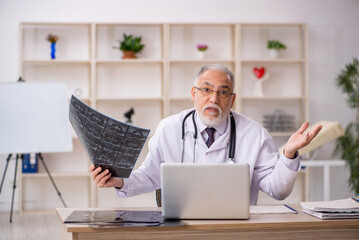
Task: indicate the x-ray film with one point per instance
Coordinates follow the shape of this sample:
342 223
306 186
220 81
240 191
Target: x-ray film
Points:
110 144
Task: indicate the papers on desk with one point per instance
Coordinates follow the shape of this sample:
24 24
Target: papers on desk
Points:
337 209
275 209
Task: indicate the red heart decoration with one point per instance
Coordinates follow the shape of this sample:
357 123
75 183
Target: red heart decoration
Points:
259 72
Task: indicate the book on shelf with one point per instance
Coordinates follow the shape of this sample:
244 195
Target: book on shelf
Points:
336 209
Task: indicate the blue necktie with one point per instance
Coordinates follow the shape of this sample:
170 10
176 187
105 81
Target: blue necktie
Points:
210 140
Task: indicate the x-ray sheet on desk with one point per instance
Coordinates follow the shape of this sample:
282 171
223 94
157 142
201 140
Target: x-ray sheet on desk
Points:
110 144
103 217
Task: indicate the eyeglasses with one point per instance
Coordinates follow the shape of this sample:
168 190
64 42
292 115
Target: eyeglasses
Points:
222 92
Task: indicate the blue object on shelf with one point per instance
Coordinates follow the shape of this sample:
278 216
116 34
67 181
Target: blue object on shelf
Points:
53 50
29 163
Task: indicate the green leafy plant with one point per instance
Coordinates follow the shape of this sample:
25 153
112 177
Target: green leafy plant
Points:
348 145
275 44
130 43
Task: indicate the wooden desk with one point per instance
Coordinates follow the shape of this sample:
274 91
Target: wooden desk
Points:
259 226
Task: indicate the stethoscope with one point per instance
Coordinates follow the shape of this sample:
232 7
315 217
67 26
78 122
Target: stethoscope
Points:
232 138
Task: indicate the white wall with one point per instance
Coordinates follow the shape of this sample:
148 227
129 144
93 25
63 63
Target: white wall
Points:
333 39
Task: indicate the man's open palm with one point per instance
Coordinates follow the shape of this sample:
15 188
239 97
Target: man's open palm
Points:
299 139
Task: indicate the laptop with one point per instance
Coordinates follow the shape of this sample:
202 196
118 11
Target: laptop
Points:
205 191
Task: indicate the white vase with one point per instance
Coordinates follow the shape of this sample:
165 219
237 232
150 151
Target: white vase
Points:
273 53
258 91
200 54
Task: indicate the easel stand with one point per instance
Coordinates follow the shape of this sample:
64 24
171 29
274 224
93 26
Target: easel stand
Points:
14 184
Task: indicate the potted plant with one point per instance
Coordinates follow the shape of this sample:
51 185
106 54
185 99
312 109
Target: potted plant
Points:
52 39
348 145
273 47
201 50
130 45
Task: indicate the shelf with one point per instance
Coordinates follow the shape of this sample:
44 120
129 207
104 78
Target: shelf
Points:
76 75
254 39
108 35
73 43
180 99
137 60
129 24
157 83
64 174
183 39
129 81
51 24
147 113
56 61
273 24
130 99
208 60
278 60
273 98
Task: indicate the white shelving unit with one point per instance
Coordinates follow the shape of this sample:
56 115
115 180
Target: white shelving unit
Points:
156 84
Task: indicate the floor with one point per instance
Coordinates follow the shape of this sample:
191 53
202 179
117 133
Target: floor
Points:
30 226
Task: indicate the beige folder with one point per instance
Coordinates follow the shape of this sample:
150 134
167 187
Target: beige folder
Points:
329 132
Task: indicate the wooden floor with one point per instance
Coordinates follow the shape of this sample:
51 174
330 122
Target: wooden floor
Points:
30 226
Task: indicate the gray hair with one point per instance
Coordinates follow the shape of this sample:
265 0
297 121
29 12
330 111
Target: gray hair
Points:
216 67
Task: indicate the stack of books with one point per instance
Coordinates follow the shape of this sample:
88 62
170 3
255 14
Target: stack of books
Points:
337 209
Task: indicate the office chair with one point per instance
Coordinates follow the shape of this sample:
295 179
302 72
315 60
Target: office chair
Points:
158 198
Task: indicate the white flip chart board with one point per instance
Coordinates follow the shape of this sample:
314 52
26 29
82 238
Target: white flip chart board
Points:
34 118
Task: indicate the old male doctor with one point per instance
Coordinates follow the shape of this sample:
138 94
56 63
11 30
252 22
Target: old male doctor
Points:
213 97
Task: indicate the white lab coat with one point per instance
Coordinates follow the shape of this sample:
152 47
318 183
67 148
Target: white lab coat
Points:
269 172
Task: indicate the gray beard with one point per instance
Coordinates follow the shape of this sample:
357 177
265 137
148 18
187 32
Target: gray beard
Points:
210 122
214 121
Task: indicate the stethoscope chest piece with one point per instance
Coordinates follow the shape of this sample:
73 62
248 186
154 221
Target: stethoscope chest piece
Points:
230 161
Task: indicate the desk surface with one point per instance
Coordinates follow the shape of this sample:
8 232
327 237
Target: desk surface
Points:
265 226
